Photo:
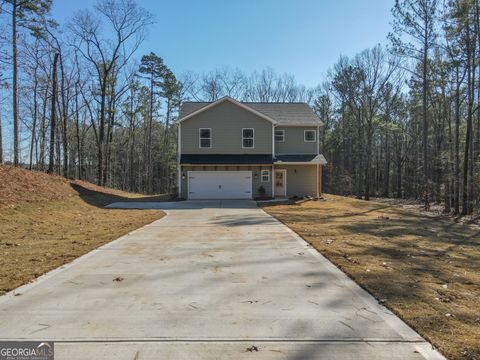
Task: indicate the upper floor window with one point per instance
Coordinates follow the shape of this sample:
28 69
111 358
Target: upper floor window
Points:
247 138
309 135
205 136
280 135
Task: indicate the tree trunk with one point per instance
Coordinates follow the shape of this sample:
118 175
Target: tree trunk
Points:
16 128
456 190
477 142
43 128
368 166
149 141
386 191
368 176
399 180
449 182
132 145
132 162
35 107
52 115
101 132
77 135
425 122
166 150
65 121
58 149
110 125
465 190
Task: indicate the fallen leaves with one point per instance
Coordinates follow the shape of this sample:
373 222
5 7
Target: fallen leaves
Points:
350 259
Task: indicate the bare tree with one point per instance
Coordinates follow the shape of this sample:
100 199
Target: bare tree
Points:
53 114
128 22
361 85
24 14
416 19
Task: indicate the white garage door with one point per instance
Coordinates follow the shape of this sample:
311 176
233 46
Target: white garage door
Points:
219 184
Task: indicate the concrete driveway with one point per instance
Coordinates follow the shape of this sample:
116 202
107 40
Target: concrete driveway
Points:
212 280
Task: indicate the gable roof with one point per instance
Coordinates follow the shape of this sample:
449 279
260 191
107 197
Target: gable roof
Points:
301 159
286 114
206 106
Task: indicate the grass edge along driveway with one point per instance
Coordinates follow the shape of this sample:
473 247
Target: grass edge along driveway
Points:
40 236
426 269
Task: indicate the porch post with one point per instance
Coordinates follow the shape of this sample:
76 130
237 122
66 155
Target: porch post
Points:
318 182
321 179
272 178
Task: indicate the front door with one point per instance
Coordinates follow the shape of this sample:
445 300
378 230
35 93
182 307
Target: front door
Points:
280 182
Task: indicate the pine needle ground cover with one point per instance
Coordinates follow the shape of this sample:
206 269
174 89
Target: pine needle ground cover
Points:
425 268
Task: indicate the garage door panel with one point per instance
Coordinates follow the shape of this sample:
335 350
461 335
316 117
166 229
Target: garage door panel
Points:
220 185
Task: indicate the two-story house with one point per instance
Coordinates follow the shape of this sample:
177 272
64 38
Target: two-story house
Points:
242 150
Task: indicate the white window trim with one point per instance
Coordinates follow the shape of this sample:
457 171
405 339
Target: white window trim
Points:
314 135
265 172
200 138
283 136
253 138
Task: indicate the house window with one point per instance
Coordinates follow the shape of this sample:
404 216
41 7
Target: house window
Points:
280 135
309 135
205 137
265 175
247 138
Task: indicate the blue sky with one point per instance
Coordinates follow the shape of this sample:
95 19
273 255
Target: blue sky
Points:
300 37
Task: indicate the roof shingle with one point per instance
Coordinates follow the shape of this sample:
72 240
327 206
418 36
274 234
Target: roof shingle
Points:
286 114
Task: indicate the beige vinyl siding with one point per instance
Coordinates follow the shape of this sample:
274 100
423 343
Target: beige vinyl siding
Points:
303 181
226 121
256 176
294 142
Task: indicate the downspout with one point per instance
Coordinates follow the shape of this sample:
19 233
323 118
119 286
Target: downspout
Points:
318 166
273 156
273 140
179 153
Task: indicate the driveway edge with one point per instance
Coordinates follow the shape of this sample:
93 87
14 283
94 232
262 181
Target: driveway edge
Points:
25 287
394 321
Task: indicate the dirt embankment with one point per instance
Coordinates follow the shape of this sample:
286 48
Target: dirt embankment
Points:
47 221
20 186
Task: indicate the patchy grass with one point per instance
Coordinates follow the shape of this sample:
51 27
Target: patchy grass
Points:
424 268
50 228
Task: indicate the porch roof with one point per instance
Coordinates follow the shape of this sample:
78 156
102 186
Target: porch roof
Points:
234 159
301 159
